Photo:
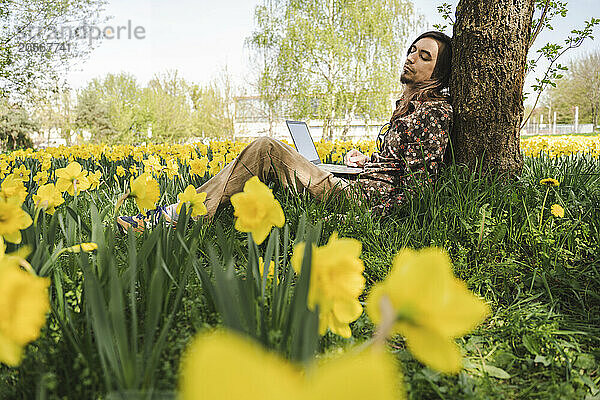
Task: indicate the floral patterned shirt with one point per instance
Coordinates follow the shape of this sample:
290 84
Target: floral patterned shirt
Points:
411 152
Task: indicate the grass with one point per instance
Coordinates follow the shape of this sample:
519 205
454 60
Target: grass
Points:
542 340
543 285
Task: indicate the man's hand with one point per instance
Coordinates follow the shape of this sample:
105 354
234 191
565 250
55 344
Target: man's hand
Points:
355 158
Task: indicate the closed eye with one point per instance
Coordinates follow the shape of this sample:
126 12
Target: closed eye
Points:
413 49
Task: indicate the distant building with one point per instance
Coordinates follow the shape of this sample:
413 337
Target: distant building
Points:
251 121
53 137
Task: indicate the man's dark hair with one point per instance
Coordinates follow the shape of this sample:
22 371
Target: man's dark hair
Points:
437 87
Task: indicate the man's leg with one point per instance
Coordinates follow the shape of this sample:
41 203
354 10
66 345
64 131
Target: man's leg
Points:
269 159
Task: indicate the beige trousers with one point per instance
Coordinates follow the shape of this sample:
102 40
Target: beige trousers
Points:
270 160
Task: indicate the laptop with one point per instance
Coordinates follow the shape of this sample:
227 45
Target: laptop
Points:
306 147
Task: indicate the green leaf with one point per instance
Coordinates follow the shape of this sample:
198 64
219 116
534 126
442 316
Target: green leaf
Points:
273 242
77 218
496 372
531 344
585 361
543 360
301 322
226 300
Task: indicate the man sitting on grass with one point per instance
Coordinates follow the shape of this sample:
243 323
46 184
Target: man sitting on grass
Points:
410 147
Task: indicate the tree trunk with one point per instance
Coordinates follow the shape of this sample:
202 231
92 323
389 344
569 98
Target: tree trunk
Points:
349 119
271 120
490 43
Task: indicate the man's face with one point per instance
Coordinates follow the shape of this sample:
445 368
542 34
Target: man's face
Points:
420 62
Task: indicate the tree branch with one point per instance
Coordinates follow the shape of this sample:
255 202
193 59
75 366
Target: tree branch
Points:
5 43
578 43
540 24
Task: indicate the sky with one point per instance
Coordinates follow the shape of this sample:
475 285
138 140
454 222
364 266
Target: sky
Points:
201 38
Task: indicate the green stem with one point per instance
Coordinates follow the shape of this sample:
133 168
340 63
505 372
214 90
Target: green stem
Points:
542 210
38 209
120 203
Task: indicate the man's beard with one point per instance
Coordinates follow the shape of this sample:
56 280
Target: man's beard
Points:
405 79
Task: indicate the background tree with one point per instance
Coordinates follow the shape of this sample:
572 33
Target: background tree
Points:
167 107
266 41
332 59
120 97
579 87
117 109
27 69
92 115
16 126
212 103
56 112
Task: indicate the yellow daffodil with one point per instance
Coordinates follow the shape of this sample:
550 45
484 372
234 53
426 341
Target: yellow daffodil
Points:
244 362
85 247
216 164
337 156
171 169
229 157
41 178
198 166
261 267
72 179
557 211
145 191
12 219
195 201
432 306
560 145
13 188
369 374
549 182
120 171
23 307
21 173
212 361
48 197
94 179
138 155
202 148
133 170
153 165
336 281
256 210
47 163
17 257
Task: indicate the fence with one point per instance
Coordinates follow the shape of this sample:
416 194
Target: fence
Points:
558 129
357 130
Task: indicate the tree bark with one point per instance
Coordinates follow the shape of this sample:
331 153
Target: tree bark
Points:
490 43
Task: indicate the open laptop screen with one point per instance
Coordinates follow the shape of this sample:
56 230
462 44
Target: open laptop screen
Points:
303 141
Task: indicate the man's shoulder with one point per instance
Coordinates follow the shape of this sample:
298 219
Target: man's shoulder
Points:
437 104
